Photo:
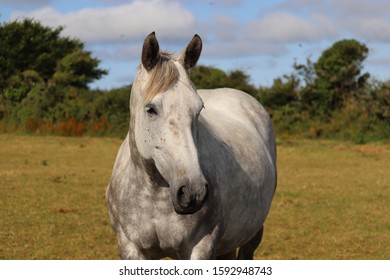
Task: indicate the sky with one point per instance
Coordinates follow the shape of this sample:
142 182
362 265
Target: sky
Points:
261 37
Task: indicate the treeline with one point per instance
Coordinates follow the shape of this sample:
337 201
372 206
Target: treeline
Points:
44 89
331 98
44 82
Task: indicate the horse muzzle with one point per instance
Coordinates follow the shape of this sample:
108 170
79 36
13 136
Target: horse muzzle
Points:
189 199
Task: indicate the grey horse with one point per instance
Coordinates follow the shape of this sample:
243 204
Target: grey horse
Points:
196 174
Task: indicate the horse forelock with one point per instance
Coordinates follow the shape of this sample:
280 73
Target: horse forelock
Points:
163 76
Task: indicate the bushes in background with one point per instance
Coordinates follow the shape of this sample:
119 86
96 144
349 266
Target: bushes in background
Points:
44 89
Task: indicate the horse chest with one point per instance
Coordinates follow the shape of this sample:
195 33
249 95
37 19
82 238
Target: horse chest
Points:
149 220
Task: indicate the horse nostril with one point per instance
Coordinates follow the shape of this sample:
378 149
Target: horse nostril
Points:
182 198
188 202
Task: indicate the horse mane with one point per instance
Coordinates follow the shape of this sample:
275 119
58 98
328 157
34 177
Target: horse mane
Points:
163 76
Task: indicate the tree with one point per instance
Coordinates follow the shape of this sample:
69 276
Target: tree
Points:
238 79
29 46
77 69
207 77
284 91
338 71
40 71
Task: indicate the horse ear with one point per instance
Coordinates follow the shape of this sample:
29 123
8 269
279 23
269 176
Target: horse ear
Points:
150 52
191 54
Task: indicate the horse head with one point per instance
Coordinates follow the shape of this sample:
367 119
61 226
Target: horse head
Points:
164 109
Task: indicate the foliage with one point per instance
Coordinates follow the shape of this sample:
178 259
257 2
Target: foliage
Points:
335 76
37 66
77 69
29 46
44 80
205 77
71 111
284 91
339 67
331 97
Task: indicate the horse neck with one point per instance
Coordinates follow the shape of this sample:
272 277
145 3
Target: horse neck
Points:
134 153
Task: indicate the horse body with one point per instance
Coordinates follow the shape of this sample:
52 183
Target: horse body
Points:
196 174
237 153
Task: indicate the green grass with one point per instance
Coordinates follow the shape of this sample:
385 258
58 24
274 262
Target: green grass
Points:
332 200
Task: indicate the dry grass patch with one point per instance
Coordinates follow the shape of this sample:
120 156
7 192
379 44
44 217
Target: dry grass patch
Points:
332 200
52 197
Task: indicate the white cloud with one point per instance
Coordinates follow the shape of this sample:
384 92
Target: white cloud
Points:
119 23
366 20
226 36
222 27
229 3
361 8
121 52
377 29
115 30
284 27
241 48
300 4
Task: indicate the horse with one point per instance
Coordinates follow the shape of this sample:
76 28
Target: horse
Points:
196 174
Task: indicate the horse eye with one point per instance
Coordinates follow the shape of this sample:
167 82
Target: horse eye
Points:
151 110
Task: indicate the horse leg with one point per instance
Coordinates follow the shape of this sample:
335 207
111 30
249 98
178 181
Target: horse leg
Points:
205 248
127 249
246 251
229 256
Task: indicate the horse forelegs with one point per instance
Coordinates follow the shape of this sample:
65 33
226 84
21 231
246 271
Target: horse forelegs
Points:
127 249
205 249
246 251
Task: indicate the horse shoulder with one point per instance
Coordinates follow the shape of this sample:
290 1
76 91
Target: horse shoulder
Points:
226 105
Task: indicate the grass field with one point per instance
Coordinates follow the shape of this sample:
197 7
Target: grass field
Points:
332 200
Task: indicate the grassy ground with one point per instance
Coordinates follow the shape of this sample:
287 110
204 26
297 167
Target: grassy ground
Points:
332 200
52 198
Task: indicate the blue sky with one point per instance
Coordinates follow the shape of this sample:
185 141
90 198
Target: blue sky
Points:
261 37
